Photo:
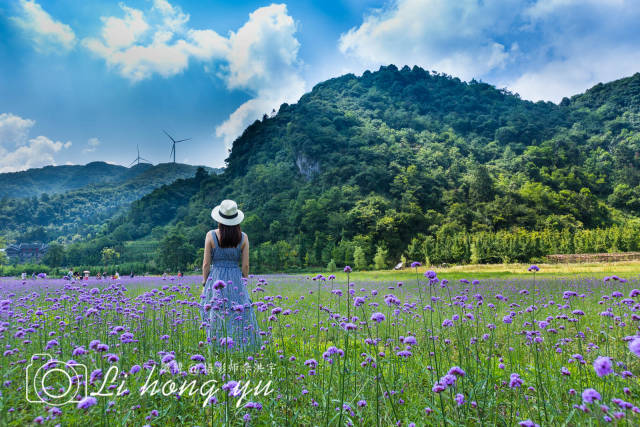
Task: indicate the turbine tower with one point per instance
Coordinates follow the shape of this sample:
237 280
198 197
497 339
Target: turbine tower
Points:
137 160
173 145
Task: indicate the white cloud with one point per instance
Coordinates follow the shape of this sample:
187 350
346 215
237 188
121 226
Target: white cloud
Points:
173 17
37 152
455 37
261 57
583 43
575 74
543 49
123 32
92 145
17 152
139 46
46 32
14 129
543 8
261 48
263 103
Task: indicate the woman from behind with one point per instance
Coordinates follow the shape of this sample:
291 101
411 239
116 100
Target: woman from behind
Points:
227 308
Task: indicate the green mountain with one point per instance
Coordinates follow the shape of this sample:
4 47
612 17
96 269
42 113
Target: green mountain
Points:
365 170
60 179
66 203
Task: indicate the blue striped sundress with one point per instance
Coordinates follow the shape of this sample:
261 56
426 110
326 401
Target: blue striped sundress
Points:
228 312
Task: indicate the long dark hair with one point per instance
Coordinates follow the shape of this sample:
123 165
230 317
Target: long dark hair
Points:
230 235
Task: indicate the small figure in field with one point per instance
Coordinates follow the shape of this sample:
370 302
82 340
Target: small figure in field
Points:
227 308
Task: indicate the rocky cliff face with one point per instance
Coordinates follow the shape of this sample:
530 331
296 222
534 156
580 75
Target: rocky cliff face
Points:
307 167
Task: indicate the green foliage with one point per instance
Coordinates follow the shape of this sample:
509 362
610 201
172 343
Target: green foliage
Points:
3 256
55 256
380 259
520 245
359 259
17 270
475 253
423 164
109 256
331 267
175 252
80 198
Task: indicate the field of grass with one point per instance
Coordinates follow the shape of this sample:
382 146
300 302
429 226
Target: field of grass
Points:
501 347
505 271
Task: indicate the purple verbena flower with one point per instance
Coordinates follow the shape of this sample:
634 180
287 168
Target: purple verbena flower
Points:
590 395
602 365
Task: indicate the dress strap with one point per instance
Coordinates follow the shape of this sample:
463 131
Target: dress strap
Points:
215 239
241 240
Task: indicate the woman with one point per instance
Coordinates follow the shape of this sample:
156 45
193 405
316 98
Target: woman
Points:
226 305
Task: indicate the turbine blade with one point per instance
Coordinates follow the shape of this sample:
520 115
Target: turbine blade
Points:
170 137
183 140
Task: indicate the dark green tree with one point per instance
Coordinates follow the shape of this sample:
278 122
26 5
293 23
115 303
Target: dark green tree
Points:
175 252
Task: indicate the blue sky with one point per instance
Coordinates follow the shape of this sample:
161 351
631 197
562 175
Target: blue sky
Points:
85 81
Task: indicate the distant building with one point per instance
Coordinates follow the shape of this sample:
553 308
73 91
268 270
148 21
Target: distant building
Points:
26 252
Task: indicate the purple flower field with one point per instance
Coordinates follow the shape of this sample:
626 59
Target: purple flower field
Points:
427 352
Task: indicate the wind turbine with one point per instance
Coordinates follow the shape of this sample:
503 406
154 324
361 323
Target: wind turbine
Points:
173 145
138 158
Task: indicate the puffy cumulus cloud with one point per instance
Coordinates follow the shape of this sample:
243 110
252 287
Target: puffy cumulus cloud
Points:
14 129
37 152
137 48
262 49
122 32
46 32
18 152
263 59
260 58
456 37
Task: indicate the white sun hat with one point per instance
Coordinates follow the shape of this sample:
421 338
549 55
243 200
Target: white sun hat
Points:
227 213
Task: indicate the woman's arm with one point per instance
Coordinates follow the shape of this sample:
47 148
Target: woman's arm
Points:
206 262
245 257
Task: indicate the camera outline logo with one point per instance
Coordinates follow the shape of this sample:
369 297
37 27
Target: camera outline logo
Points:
36 374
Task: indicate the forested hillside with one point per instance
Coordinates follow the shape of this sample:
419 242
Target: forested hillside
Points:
364 170
60 179
78 199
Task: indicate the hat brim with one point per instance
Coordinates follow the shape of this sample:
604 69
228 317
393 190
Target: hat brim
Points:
215 214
